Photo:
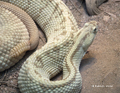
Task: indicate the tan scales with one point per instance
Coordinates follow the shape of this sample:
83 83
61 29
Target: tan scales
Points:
16 34
65 47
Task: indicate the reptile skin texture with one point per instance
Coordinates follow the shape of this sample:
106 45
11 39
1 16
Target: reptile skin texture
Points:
64 50
14 35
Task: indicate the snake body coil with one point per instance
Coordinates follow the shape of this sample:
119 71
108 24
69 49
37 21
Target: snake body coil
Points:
15 28
65 47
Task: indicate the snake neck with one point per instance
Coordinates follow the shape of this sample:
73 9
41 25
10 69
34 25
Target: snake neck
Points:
70 66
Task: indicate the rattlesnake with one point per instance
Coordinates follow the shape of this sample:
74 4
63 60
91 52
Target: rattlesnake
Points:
65 47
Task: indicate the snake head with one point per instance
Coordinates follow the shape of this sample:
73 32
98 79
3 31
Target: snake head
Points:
82 40
90 30
85 35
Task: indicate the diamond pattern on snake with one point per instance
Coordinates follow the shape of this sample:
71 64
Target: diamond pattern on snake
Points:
66 45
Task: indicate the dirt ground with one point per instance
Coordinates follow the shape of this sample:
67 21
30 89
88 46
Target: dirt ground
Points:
100 67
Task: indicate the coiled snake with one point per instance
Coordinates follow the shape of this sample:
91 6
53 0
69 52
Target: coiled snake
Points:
65 47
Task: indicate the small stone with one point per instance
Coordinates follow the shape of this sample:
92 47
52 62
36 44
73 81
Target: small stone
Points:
106 18
13 82
71 7
111 14
10 77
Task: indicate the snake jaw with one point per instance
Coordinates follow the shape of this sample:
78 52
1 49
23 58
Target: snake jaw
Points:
85 36
92 27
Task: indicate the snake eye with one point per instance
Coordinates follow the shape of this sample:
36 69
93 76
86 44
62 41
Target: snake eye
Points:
95 30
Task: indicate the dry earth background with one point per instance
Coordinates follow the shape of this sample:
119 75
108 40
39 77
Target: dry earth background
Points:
100 67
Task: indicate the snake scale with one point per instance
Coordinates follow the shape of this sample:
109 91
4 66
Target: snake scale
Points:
65 47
